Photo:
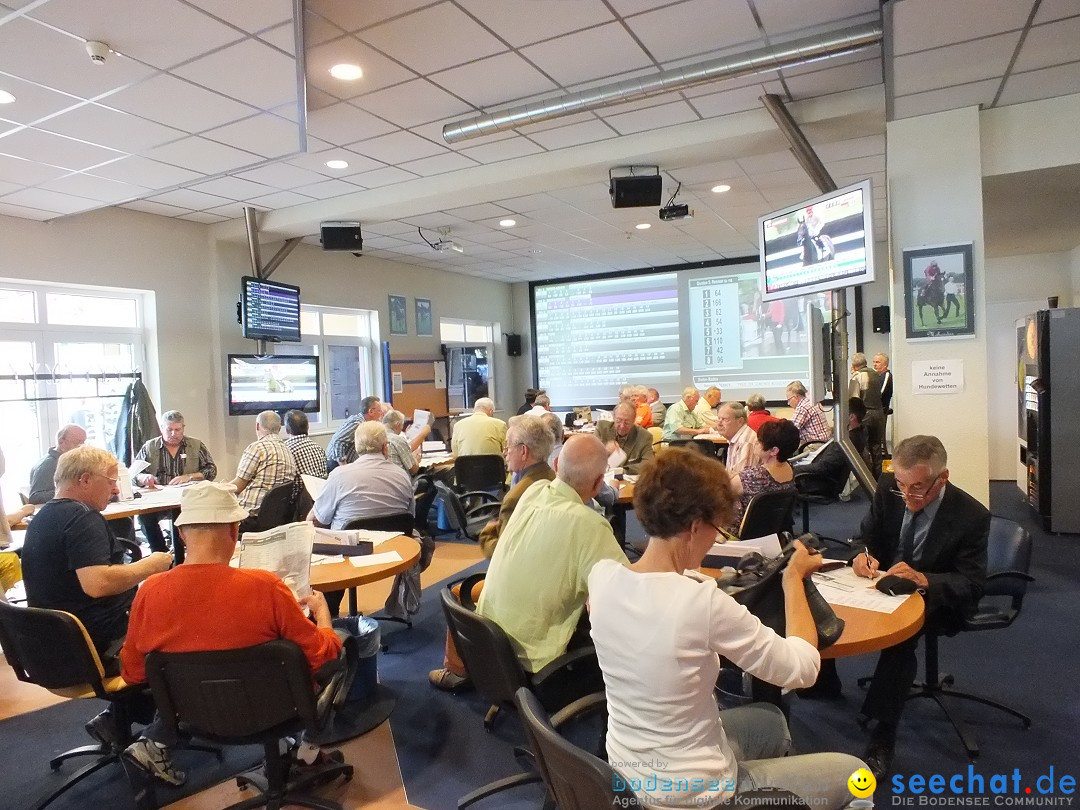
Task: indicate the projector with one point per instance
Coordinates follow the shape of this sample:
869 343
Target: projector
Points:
669 213
444 245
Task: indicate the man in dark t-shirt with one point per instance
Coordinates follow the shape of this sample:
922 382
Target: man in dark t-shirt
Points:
72 562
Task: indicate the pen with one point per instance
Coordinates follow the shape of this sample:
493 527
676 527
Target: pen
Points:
866 553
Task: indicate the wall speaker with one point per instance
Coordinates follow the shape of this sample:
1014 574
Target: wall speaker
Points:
343 236
636 192
880 316
513 345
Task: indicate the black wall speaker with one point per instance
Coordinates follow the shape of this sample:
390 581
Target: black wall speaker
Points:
513 345
880 317
636 192
342 236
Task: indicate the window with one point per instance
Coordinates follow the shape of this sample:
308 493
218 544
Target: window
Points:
469 360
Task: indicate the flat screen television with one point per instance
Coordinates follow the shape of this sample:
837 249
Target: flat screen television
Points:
826 243
269 310
273 383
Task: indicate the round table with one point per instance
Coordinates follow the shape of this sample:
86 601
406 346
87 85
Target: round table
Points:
342 575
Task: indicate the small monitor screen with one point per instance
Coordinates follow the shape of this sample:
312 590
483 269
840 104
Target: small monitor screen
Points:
273 383
270 311
821 244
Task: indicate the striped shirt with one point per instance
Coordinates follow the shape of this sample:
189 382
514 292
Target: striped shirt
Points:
266 463
309 457
342 446
164 466
810 420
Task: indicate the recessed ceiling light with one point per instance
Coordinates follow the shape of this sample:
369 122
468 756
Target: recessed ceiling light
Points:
337 164
643 226
346 72
720 189
6 97
507 223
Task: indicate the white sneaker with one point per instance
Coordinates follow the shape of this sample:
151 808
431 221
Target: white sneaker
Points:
154 758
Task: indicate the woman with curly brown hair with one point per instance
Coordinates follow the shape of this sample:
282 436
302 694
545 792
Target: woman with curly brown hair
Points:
659 635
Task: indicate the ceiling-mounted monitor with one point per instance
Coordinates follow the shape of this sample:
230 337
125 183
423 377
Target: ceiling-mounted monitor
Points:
821 244
269 310
273 383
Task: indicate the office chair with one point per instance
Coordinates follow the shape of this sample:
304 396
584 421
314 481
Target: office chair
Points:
277 507
657 437
487 473
497 674
767 513
468 512
253 696
52 649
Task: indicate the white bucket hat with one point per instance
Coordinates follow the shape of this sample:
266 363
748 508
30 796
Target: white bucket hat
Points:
207 502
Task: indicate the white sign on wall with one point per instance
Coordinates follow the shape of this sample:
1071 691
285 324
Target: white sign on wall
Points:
937 376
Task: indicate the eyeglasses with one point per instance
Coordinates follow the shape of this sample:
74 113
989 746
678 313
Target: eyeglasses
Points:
904 492
110 480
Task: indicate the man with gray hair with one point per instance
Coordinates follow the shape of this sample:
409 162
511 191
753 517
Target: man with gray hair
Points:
41 476
541 405
683 421
707 404
658 408
341 449
743 448
622 434
536 585
266 463
174 458
400 450
480 433
865 383
371 486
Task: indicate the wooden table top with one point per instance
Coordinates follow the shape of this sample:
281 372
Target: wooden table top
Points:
342 575
161 499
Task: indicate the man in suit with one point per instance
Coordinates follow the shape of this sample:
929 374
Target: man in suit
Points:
622 434
922 529
865 383
881 366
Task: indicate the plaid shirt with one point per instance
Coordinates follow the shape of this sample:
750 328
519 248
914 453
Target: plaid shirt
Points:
309 457
266 463
165 467
810 420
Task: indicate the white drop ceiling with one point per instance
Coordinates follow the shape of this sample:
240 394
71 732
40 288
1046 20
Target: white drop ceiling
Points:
198 111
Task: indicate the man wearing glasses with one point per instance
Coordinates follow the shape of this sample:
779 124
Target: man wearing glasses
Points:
923 529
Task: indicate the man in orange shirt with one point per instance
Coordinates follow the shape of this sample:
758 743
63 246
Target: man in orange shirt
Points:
206 605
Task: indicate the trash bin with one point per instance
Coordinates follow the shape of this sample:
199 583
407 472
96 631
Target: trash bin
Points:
366 632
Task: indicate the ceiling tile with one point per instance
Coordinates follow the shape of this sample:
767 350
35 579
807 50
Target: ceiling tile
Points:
783 16
947 98
282 37
919 25
141 171
1047 45
439 164
499 79
955 65
186 198
5 188
32 101
281 176
379 71
95 188
694 27
233 188
23 212
316 162
505 149
851 148
55 150
190 108
233 210
381 177
435 38
151 207
343 123
49 200
837 79
201 155
524 23
727 102
111 128
39 54
136 29
1054 10
266 134
328 188
413 103
249 70
397 147
203 216
1062 80
573 135
666 115
280 199
251 15
354 16
606 50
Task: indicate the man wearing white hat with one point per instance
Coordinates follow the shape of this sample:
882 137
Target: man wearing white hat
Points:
248 607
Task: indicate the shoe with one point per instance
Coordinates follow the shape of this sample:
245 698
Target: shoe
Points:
879 753
154 758
447 681
102 729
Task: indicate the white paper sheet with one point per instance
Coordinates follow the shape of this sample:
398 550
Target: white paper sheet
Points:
843 587
313 485
433 447
768 546
350 537
371 560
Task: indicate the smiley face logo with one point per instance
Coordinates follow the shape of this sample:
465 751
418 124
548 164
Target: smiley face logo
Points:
861 783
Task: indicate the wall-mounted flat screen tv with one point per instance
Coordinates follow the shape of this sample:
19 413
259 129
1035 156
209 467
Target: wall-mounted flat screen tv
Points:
273 383
269 310
826 243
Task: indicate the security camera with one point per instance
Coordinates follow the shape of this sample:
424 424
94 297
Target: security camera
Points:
98 52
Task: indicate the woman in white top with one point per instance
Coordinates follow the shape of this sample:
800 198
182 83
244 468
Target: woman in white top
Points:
659 635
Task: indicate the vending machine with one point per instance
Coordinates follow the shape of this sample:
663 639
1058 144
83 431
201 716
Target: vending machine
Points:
1048 382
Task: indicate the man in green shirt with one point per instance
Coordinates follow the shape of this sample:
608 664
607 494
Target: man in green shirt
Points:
682 421
536 584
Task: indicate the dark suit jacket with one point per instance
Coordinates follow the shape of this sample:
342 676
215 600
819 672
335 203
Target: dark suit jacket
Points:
953 558
638 444
489 535
886 389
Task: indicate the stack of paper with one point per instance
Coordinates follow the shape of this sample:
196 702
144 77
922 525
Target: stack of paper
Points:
732 551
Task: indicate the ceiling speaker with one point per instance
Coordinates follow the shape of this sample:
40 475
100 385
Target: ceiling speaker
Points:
636 192
342 236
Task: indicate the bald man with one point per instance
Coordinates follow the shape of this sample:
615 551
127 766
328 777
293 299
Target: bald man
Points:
536 584
41 477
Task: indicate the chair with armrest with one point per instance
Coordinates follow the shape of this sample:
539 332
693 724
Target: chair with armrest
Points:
468 512
767 513
497 673
657 437
277 507
254 695
52 649
485 472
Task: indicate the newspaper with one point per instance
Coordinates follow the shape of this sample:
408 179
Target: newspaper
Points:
285 551
313 485
420 418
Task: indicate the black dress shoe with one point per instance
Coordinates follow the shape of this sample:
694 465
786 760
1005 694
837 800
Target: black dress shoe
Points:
879 753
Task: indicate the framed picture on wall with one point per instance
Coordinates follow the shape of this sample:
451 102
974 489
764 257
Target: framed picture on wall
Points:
423 317
399 305
939 292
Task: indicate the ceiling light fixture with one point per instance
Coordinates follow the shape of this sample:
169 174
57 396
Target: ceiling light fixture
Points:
337 164
643 226
6 97
507 223
720 189
346 72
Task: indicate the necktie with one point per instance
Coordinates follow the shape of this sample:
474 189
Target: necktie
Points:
907 539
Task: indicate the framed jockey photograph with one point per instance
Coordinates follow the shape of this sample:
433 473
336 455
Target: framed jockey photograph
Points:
938 292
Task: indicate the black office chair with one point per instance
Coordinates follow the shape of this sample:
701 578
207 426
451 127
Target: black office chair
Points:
278 507
497 674
1007 565
254 695
52 649
767 513
486 473
468 512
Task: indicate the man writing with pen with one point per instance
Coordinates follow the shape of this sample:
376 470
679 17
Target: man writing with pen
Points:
931 533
